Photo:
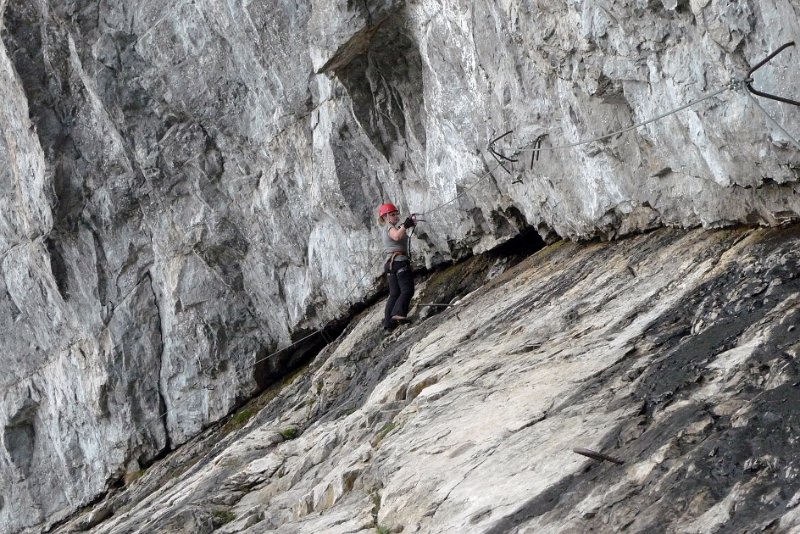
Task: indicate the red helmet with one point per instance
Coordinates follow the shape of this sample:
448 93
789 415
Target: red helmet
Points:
386 209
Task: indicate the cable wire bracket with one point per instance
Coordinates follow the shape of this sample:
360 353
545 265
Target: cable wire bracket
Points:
498 156
537 144
748 81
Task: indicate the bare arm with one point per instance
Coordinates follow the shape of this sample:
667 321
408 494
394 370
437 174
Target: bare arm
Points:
397 233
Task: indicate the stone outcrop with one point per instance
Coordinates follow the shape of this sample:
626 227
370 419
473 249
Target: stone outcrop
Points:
187 187
675 352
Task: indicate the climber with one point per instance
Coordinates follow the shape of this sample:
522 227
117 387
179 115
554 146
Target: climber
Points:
397 266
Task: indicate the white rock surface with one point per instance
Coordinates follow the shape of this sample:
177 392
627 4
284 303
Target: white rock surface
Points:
188 186
467 422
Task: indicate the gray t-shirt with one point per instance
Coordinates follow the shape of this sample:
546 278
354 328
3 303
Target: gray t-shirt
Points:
391 246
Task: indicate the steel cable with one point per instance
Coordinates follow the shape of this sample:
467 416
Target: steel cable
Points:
524 148
773 121
729 86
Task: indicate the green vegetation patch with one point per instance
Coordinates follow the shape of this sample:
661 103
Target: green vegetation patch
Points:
255 405
289 433
238 420
382 433
223 516
455 281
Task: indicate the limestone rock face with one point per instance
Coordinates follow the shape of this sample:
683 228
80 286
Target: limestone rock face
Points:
189 186
673 352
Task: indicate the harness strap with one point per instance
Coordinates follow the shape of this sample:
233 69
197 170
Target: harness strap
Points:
391 259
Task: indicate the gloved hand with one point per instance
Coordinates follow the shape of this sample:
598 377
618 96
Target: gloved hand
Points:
409 223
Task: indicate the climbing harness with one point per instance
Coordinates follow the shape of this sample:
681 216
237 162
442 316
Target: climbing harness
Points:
535 147
390 261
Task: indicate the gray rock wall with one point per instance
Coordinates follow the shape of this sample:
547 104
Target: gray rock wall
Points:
674 352
187 186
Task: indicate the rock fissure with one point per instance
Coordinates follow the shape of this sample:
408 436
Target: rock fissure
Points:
163 412
129 141
670 448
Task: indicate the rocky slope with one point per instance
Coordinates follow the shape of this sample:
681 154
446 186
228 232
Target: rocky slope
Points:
675 352
186 187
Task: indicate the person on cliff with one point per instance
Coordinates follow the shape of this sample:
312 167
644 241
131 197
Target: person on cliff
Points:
398 265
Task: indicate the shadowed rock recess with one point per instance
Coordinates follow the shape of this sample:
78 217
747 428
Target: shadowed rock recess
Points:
674 351
187 187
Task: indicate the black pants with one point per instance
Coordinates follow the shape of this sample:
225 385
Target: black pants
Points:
401 289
